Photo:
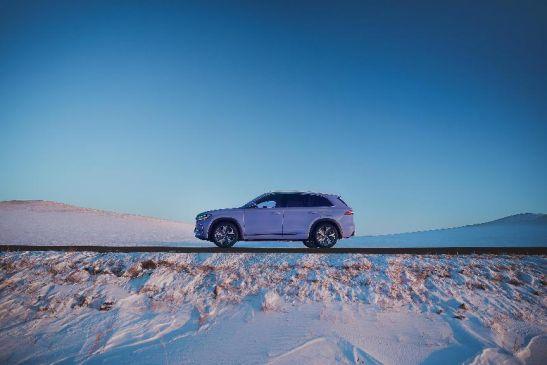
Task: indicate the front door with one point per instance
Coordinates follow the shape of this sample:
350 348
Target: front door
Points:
265 221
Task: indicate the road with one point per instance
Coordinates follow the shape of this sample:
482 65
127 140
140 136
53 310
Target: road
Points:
334 250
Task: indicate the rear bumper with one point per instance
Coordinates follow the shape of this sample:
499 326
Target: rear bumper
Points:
348 233
347 227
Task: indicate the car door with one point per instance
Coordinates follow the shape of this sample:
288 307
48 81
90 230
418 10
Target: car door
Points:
301 211
265 219
297 216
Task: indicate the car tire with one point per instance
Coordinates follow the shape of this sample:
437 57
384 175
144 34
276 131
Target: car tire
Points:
225 234
325 235
309 244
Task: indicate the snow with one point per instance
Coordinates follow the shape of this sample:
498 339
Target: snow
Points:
84 307
271 308
526 229
50 223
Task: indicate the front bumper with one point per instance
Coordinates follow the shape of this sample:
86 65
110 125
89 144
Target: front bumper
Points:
199 232
202 229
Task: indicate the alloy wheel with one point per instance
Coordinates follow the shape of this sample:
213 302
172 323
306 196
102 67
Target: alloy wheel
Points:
225 235
326 236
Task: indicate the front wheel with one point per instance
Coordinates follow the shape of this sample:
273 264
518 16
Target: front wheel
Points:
225 234
325 235
309 244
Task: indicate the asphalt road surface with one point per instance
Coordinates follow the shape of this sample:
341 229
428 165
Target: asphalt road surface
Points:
331 251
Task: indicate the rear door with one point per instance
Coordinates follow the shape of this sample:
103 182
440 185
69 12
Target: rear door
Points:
298 216
265 221
301 211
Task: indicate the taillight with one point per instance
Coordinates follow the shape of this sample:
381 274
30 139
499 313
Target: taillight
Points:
348 212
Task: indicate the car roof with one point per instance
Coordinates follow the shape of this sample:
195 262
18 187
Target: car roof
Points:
299 192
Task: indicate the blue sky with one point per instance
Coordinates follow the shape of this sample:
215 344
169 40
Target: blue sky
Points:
420 115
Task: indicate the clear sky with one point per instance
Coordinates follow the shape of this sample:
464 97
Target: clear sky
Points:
420 114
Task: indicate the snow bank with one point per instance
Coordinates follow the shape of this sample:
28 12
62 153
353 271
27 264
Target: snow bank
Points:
279 308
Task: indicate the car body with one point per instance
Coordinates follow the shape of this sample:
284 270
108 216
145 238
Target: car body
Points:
285 216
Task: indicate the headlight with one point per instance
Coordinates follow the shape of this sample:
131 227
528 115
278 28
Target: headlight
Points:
202 216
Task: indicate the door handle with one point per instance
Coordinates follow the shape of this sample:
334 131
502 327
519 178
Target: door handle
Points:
314 212
278 213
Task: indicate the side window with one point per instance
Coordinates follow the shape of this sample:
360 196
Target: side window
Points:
268 201
318 201
295 201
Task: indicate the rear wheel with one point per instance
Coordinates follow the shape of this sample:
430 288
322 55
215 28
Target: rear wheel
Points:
225 234
325 235
309 243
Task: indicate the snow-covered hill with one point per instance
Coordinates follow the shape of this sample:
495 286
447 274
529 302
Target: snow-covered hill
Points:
527 229
49 223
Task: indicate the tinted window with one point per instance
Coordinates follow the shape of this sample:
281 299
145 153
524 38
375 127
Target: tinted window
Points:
318 201
343 202
269 201
295 200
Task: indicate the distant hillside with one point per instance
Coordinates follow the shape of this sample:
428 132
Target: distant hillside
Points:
526 229
45 222
522 218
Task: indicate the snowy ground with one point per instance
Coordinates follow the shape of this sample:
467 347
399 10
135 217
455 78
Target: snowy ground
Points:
78 307
271 308
50 223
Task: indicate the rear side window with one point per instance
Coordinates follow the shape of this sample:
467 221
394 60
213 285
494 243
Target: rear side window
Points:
295 200
318 201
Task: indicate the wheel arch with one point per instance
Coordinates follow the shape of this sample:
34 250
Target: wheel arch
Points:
224 219
325 220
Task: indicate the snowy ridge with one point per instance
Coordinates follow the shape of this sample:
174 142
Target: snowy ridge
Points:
45 222
526 229
522 218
